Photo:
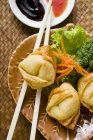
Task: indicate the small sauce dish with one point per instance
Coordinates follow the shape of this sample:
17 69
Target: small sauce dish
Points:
37 24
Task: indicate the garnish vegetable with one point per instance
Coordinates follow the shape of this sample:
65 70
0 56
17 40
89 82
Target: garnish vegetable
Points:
74 37
67 64
84 56
79 48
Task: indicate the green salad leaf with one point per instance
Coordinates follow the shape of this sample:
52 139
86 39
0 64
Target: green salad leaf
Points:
73 39
57 38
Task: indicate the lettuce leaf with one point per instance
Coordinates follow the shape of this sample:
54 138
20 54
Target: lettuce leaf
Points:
73 39
57 38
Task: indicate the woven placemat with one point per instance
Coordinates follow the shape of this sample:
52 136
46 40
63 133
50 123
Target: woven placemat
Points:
12 32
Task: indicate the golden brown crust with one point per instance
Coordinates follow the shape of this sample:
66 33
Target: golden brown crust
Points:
64 105
39 68
85 90
47 54
70 123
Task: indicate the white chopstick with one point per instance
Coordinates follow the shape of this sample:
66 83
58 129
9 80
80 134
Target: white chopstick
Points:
24 86
40 34
47 33
38 93
67 134
17 111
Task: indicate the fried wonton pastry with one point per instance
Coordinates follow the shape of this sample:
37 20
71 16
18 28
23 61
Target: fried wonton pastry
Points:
64 105
39 68
85 90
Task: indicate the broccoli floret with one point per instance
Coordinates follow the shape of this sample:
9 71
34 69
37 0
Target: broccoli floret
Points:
91 64
84 56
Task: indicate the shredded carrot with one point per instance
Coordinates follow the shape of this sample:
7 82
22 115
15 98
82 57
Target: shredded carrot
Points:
63 71
67 64
63 75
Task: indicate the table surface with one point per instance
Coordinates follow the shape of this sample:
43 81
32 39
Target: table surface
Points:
12 32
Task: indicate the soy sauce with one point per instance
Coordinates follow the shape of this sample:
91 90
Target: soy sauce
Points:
32 9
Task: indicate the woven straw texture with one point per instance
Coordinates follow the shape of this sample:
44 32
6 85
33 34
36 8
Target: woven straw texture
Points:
12 32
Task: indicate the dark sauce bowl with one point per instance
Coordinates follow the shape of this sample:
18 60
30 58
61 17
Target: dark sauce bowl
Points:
32 9
32 14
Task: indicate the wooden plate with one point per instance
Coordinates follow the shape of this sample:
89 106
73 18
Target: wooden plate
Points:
48 126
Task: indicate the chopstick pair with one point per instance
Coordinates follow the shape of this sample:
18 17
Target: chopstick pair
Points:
24 86
38 93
